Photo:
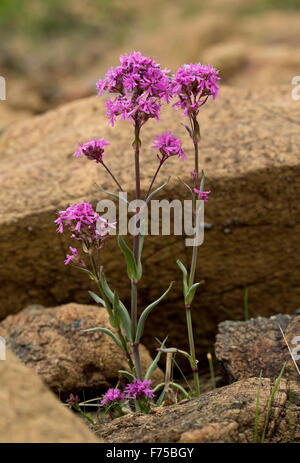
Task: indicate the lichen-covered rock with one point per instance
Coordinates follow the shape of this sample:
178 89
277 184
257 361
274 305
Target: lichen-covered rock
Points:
69 360
250 152
247 348
226 415
30 413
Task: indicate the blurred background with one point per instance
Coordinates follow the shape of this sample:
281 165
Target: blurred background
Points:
54 51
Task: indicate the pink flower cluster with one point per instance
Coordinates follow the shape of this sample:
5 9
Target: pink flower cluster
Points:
112 395
139 389
93 150
169 145
203 195
136 390
84 224
140 85
193 84
74 257
72 400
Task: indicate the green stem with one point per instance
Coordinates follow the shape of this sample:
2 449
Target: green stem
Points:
153 179
194 259
126 350
195 137
136 243
192 349
137 361
107 302
134 305
112 176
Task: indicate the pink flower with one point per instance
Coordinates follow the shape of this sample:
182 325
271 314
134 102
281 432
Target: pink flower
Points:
203 195
169 145
93 150
74 257
140 86
193 84
84 224
112 395
139 389
72 400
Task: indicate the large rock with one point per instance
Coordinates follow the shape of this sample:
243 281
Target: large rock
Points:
250 151
227 415
30 413
9 115
246 349
68 360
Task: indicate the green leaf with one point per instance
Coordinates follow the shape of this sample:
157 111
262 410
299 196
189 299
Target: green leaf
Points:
114 318
162 395
158 387
120 308
86 271
116 300
108 292
181 389
153 365
141 246
85 248
146 312
114 195
191 292
188 129
202 181
108 332
127 375
96 298
132 269
125 319
157 191
175 351
186 185
184 277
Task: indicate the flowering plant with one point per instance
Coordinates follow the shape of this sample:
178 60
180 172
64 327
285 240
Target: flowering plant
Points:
139 86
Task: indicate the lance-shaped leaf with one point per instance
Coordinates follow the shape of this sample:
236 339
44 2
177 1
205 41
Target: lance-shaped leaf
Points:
114 318
146 312
85 248
184 277
153 365
186 185
125 319
114 195
96 298
127 375
188 129
116 300
157 190
132 269
175 351
86 271
108 332
141 245
191 292
108 292
120 307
